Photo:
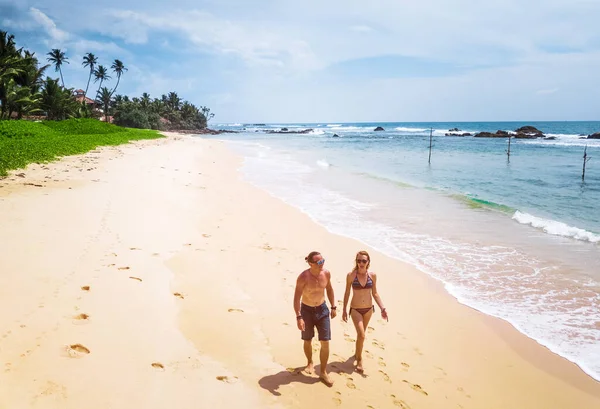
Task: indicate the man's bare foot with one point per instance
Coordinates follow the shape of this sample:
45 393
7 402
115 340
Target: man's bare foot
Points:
359 367
310 368
326 379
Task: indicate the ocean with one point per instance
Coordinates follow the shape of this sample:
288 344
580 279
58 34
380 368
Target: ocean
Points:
517 238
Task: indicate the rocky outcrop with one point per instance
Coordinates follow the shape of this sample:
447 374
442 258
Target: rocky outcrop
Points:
525 132
291 132
454 130
498 134
528 132
336 135
458 134
594 136
379 129
203 131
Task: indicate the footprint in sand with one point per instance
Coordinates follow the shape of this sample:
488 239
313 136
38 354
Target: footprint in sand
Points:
418 351
124 268
158 365
134 248
178 295
368 354
85 288
381 362
267 247
294 371
81 317
386 377
441 370
235 310
399 402
370 329
405 366
136 278
416 387
228 379
350 384
206 235
77 350
336 399
378 344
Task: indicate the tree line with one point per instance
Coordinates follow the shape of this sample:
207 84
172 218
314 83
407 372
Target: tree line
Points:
27 92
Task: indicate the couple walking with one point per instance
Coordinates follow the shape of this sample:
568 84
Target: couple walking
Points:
312 311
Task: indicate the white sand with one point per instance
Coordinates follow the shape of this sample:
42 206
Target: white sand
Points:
175 215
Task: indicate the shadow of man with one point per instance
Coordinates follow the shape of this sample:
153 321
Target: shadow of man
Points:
273 382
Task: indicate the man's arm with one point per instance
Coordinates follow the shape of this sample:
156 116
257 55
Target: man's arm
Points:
300 283
329 290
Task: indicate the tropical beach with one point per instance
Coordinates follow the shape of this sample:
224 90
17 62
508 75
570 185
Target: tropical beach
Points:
259 205
148 284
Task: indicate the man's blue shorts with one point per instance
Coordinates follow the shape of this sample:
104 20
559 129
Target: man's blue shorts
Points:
316 317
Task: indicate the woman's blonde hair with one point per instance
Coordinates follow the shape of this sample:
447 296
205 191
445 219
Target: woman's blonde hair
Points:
361 253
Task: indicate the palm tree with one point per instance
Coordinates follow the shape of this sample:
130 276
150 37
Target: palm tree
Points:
89 60
118 67
101 74
104 97
58 58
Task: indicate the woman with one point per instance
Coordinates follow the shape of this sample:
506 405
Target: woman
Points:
364 286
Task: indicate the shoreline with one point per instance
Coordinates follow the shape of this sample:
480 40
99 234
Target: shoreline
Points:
204 268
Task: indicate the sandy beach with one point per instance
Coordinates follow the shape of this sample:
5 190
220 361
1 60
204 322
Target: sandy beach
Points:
151 275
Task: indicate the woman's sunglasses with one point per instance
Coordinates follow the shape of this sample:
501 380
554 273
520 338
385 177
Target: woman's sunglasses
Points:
362 261
320 262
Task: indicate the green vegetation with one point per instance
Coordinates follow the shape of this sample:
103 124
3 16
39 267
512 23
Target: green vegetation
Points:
25 92
25 142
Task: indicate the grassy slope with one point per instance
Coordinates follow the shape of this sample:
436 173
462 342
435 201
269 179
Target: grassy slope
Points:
24 142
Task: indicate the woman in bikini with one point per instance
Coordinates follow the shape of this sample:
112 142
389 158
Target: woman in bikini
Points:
364 286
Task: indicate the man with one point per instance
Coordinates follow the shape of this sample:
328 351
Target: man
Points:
311 310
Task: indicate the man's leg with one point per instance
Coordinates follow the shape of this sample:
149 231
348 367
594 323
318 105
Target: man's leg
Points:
324 355
307 336
324 328
308 352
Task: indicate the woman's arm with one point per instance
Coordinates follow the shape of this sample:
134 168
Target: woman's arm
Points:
377 298
347 296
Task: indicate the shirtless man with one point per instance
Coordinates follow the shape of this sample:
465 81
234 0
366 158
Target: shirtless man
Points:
313 312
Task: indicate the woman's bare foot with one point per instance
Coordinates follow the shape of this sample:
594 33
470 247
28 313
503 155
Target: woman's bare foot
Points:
326 379
359 366
310 368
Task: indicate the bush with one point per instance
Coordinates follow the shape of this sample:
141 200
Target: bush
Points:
132 118
82 126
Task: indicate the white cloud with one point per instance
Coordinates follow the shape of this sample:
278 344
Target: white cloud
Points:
255 44
56 35
83 46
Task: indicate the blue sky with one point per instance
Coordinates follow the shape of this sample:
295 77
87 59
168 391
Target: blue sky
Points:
335 60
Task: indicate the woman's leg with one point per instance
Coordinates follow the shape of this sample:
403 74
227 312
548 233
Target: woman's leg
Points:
360 323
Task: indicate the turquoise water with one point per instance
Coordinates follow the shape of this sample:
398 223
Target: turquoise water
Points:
518 239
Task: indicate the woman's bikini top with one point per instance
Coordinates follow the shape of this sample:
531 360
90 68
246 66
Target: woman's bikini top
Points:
356 284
